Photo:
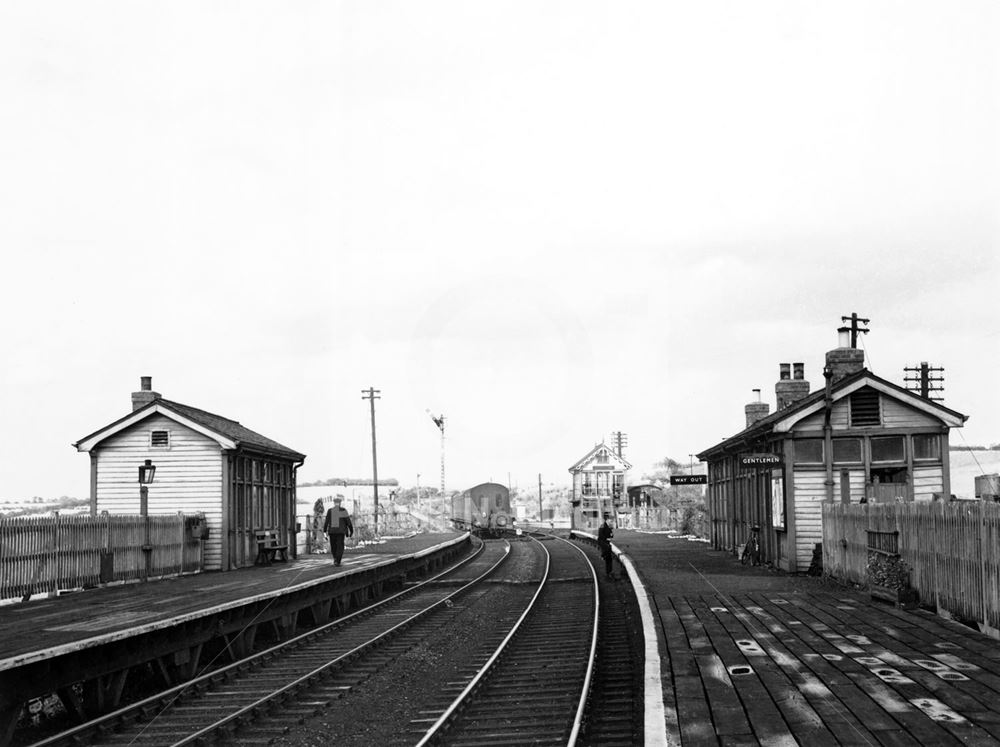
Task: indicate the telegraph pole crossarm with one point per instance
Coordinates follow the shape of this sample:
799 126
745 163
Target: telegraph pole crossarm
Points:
855 329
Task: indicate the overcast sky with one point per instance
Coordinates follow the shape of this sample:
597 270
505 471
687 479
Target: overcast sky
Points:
547 221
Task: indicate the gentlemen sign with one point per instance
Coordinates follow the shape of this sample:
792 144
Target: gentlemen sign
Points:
760 460
689 479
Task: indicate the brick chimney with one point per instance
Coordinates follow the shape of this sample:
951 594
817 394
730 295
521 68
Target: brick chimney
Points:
146 393
791 386
756 410
844 360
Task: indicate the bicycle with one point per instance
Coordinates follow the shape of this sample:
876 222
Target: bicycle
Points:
751 550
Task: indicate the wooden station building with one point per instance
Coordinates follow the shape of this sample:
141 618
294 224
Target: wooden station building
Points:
240 480
860 438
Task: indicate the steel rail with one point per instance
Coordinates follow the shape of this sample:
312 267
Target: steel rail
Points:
167 697
481 674
434 732
248 710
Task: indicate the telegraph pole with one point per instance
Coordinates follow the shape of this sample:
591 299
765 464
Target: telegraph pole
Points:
371 395
856 330
925 376
539 497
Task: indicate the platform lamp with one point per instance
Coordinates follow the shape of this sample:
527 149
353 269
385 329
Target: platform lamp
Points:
146 473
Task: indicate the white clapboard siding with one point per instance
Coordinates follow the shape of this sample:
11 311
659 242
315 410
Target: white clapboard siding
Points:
895 414
810 492
856 480
927 481
839 418
188 477
898 415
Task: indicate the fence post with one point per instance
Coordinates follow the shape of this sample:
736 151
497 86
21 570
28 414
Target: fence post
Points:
937 574
980 509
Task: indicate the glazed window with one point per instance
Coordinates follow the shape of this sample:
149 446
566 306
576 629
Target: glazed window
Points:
846 450
159 439
887 449
809 451
926 447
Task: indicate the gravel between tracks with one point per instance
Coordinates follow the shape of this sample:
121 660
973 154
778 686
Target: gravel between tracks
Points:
378 711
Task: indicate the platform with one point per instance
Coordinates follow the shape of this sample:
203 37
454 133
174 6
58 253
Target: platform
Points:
97 635
753 656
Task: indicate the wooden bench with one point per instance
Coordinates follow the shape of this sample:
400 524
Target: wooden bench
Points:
268 547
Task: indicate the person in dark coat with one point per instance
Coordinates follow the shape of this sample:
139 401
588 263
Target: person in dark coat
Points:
604 535
338 525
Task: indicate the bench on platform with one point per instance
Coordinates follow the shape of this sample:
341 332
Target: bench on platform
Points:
268 547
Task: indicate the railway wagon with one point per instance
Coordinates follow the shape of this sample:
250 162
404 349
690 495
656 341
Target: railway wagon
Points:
483 510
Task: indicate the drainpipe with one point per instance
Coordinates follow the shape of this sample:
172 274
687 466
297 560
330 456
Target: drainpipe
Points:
828 433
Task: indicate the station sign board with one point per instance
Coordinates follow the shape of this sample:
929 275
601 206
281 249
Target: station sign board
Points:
689 479
760 460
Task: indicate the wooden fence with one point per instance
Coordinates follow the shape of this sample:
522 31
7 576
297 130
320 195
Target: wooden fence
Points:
951 548
40 554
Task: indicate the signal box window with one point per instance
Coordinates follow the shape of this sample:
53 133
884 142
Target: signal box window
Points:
809 451
926 447
887 449
159 439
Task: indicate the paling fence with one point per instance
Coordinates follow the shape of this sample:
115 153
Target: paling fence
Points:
40 554
952 549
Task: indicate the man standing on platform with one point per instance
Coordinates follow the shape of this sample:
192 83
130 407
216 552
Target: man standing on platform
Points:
604 535
338 525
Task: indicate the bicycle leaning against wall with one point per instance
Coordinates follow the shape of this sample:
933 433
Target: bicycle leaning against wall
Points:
751 550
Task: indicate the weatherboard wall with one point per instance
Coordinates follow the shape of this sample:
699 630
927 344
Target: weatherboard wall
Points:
188 476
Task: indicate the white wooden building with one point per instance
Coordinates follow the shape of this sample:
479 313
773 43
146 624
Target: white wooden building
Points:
859 438
239 479
598 486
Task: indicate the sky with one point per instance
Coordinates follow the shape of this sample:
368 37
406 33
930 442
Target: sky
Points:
546 221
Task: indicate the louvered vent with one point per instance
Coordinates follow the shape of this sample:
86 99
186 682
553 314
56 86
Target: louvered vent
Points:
160 439
864 408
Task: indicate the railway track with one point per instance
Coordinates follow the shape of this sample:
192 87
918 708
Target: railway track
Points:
533 688
253 699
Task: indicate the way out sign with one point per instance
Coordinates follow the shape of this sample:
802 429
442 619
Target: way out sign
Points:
689 479
760 460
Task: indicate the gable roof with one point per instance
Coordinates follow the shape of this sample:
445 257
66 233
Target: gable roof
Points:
229 434
593 452
783 420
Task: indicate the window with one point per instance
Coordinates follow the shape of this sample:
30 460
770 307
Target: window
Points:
159 439
846 450
865 408
926 447
887 449
602 457
809 451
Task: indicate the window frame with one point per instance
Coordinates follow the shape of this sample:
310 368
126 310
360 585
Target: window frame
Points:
895 460
935 437
822 451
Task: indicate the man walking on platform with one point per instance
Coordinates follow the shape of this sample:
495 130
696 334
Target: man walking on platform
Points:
338 525
604 535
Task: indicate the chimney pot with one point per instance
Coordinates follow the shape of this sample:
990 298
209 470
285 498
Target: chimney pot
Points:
844 337
145 395
799 371
785 371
